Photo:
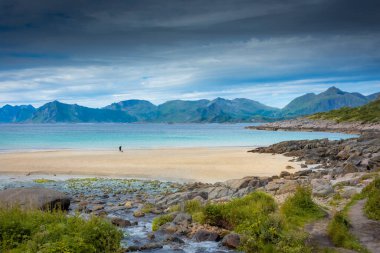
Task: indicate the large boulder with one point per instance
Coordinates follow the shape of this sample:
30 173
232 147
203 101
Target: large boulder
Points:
34 198
231 241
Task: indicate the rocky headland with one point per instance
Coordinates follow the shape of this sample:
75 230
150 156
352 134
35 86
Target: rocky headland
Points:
319 125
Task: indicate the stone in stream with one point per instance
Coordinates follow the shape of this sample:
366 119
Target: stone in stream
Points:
138 213
205 235
34 198
121 222
128 204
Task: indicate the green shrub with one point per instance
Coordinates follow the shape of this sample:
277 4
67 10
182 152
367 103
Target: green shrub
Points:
231 214
372 206
300 208
338 230
161 220
45 232
256 218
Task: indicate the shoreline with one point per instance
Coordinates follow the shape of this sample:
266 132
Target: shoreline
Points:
208 165
310 125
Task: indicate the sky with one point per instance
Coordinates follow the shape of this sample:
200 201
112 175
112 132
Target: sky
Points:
95 52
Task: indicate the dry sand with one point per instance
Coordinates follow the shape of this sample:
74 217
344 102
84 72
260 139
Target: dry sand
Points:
189 164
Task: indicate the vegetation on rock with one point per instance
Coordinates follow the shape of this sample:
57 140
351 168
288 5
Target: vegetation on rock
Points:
161 220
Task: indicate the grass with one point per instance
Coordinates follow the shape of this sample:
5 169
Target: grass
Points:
43 181
262 225
368 113
161 220
48 232
372 206
300 209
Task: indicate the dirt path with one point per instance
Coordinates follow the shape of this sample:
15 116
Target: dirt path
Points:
318 234
366 230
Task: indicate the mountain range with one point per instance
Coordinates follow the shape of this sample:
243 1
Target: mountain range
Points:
180 111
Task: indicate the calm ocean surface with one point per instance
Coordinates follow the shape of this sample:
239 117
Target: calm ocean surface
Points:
110 136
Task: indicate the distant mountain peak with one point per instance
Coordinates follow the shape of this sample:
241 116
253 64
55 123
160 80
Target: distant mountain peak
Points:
333 90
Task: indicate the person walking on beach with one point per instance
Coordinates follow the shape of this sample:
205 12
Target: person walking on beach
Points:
120 148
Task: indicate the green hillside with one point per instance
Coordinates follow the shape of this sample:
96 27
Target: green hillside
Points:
368 113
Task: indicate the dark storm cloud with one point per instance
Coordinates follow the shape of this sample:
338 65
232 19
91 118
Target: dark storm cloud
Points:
190 49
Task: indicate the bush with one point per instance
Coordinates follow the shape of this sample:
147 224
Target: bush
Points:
372 192
161 220
256 218
300 208
45 232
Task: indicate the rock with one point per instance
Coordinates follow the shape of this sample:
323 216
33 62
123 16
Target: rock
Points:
219 192
284 174
128 205
349 168
231 241
34 198
321 187
121 222
272 186
182 219
174 239
349 191
343 155
303 166
151 236
288 186
205 235
239 183
152 245
138 213
95 208
288 167
132 248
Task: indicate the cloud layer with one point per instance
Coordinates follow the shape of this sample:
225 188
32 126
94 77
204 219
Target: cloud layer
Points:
95 52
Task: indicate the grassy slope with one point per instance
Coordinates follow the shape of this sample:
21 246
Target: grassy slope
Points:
366 114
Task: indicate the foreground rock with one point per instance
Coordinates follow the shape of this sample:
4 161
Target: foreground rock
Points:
34 198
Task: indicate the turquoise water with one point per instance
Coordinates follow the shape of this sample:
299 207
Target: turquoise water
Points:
110 136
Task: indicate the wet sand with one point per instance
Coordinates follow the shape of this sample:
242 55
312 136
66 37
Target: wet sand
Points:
180 164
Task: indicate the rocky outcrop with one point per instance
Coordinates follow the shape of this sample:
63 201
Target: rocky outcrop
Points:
34 198
212 192
344 156
305 124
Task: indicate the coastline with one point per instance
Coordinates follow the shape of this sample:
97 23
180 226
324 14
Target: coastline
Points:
207 165
310 125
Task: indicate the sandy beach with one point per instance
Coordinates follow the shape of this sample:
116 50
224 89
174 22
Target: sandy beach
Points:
188 164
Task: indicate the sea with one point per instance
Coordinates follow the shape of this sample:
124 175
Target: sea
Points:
99 136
